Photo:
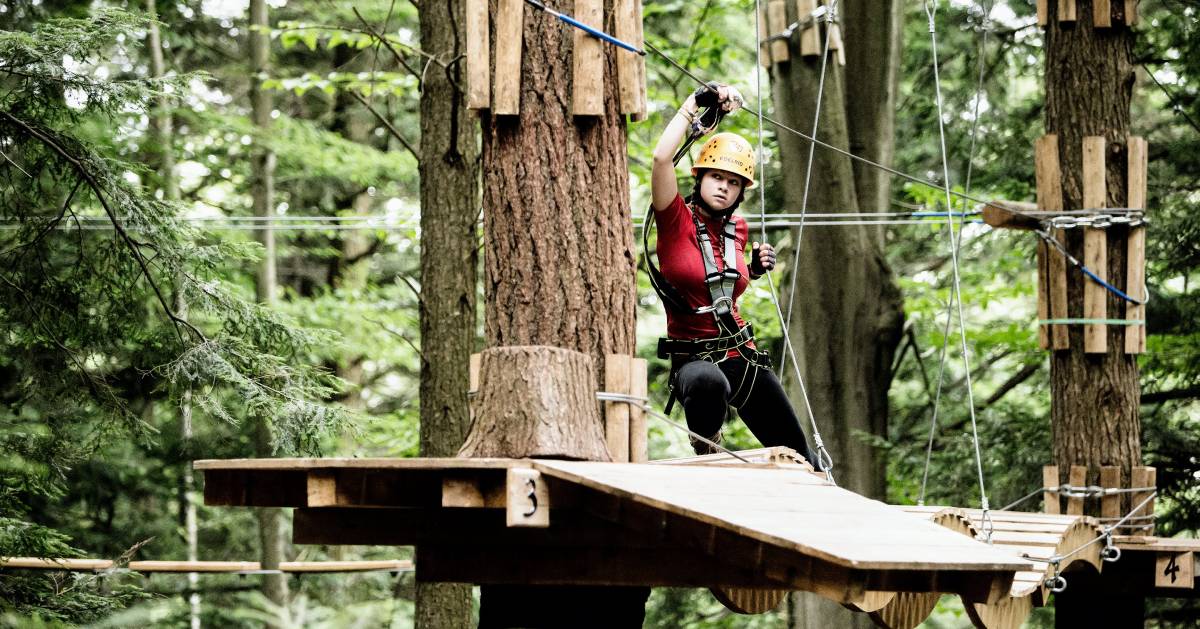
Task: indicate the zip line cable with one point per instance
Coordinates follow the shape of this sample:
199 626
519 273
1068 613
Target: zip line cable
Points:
825 460
987 13
931 11
598 34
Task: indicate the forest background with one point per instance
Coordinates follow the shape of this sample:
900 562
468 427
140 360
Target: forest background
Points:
114 339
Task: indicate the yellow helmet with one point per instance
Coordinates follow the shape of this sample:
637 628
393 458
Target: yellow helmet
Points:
729 152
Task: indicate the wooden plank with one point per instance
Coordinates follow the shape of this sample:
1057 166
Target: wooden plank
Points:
1066 11
776 22
1110 478
473 382
1050 499
1077 478
1010 215
322 488
1131 12
1175 570
1135 256
1042 282
510 27
764 46
1043 12
1049 199
1141 476
266 488
835 37
810 34
588 77
616 414
1102 13
478 55
1095 246
528 499
638 430
631 68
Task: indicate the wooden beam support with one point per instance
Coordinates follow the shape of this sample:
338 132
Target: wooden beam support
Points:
1008 215
510 29
810 34
638 431
528 499
631 68
1043 12
1067 11
473 492
1095 246
478 36
588 77
1135 255
1050 499
1175 570
1131 12
322 488
835 37
617 376
1102 13
1050 199
1110 478
1077 478
776 22
265 488
1142 476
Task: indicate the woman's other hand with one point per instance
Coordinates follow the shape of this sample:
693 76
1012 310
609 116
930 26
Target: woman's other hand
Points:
762 259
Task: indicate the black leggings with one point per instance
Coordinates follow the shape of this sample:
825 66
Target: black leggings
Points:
707 390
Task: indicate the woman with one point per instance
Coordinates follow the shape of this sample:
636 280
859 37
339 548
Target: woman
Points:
701 250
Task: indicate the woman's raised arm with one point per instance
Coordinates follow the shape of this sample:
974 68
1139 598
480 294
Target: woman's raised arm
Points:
663 184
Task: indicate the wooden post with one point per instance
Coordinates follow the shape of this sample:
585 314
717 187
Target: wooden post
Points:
478 54
810 35
1135 257
1131 12
1043 12
1043 299
1143 477
1110 504
638 387
835 38
510 27
1066 11
588 77
1077 478
1050 199
776 22
536 401
1095 247
1050 499
1102 13
631 68
616 414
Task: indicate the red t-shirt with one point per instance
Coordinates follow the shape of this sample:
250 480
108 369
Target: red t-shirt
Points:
682 264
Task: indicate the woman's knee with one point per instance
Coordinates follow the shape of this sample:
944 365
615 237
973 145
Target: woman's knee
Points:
702 380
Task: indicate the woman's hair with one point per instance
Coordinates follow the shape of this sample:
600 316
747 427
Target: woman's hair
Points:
695 198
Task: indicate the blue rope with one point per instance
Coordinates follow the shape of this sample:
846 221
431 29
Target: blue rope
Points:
598 34
1086 271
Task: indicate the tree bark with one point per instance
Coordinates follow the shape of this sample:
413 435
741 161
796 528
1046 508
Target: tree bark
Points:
1094 397
556 210
560 262
847 315
536 402
449 173
270 521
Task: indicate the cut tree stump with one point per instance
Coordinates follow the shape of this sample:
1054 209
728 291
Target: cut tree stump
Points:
536 401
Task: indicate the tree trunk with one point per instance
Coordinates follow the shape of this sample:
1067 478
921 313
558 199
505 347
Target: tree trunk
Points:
449 174
536 402
270 521
1094 397
163 132
560 262
847 312
871 29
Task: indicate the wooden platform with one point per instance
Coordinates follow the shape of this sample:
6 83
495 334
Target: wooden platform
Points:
762 525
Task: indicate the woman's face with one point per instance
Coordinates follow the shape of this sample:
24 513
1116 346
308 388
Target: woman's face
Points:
720 189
